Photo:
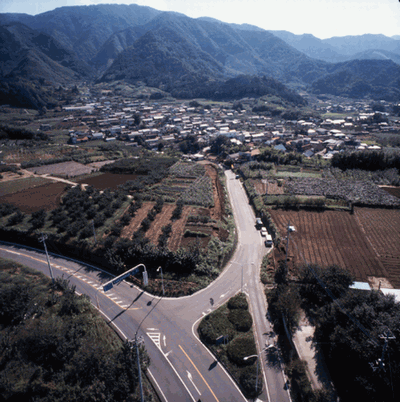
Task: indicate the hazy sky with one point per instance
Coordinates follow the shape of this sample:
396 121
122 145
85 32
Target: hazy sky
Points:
322 18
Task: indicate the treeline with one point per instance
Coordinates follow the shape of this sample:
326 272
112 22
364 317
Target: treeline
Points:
17 133
366 160
54 345
350 329
279 157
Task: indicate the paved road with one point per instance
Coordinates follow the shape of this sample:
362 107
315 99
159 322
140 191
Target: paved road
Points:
180 364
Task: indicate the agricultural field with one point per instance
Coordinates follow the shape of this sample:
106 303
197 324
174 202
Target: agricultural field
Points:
32 199
64 169
107 180
203 201
365 243
268 186
360 192
12 183
127 212
395 191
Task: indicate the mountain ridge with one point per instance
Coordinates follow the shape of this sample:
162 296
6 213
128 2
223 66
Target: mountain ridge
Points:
171 50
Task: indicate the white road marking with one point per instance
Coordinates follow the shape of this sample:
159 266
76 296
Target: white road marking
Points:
165 341
191 380
151 329
166 354
155 337
222 296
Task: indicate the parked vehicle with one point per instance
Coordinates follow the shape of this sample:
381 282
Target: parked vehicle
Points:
264 231
268 242
259 223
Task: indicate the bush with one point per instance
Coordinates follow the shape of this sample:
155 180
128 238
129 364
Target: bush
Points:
240 347
238 301
248 381
215 325
16 218
7 209
240 319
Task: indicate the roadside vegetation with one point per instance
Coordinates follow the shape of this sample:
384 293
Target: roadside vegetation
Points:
228 333
55 346
357 332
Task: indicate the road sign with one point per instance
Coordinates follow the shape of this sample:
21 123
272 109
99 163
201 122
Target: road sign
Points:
118 279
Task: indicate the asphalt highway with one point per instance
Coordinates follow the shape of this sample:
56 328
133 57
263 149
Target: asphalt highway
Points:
181 368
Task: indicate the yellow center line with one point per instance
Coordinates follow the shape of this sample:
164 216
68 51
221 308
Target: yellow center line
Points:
199 373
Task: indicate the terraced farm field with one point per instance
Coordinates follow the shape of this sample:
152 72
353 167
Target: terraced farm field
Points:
365 243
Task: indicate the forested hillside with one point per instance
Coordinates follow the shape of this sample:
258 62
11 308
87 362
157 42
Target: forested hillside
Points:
179 54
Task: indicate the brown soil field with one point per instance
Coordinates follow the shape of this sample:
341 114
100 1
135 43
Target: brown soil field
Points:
273 188
336 237
395 191
162 219
382 229
137 220
178 229
108 180
46 196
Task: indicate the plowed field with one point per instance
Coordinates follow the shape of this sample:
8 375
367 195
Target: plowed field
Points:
30 200
366 243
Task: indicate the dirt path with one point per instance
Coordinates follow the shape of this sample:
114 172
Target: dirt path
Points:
219 200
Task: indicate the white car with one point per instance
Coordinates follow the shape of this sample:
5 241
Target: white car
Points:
292 229
264 231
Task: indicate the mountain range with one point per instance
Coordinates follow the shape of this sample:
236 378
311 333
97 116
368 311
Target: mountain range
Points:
189 57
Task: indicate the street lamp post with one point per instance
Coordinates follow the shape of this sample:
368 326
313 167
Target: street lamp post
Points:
162 279
258 358
248 357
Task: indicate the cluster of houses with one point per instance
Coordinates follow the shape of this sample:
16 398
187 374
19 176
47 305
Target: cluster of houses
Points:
149 124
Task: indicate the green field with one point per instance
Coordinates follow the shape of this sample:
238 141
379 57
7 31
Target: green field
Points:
12 186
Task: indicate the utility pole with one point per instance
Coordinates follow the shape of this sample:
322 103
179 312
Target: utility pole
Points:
139 369
43 239
287 244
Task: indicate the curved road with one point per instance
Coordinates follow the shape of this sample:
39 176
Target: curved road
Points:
181 367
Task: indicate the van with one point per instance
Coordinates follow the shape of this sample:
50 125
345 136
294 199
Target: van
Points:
268 242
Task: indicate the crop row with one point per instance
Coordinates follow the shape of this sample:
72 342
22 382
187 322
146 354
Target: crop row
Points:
359 192
388 177
187 170
199 193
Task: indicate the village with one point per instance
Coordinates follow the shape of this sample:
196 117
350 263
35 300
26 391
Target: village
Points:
163 124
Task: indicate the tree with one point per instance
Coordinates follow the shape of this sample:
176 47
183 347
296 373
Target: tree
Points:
220 144
319 285
351 332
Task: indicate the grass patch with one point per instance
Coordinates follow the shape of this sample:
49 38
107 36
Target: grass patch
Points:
297 174
13 186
